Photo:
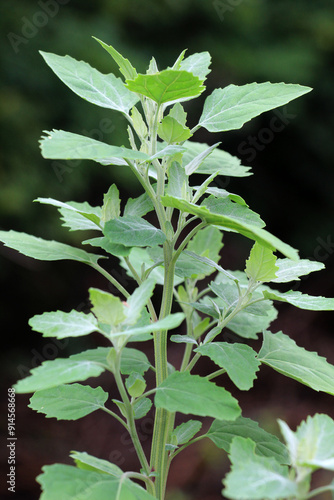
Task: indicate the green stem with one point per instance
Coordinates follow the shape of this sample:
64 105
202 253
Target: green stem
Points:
139 281
216 374
187 239
318 491
115 416
110 278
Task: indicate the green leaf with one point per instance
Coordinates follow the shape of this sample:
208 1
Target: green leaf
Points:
133 231
40 249
107 308
62 145
301 300
135 385
60 324
138 300
68 402
178 183
217 161
261 265
312 445
183 339
212 263
138 206
196 395
138 123
197 64
239 361
289 270
196 162
286 357
141 407
57 372
254 477
76 216
248 325
71 483
87 462
177 112
133 360
171 131
112 248
103 90
227 207
124 65
222 433
207 243
187 431
168 323
111 208
167 86
169 150
231 107
189 267
242 226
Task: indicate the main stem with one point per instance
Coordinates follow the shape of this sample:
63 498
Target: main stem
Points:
163 419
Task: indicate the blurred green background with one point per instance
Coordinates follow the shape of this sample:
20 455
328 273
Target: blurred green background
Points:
249 40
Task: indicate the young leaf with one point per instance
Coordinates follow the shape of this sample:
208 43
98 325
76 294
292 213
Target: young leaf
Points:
167 323
138 300
133 231
261 265
62 145
60 324
87 462
124 65
57 372
267 445
312 445
107 308
177 112
231 107
103 90
231 223
183 339
112 248
141 407
138 123
196 395
255 478
187 431
40 249
196 162
248 325
68 402
111 208
70 483
135 384
178 183
286 357
197 64
217 161
76 216
289 270
171 131
138 206
301 300
239 361
167 86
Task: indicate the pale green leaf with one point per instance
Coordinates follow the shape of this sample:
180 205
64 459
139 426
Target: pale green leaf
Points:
207 243
111 208
168 323
138 300
112 248
107 308
238 224
167 86
124 64
222 193
135 384
178 183
133 360
285 356
301 300
239 361
196 162
65 482
68 402
212 263
138 123
87 462
103 90
289 270
227 207
253 477
187 431
141 407
76 216
133 231
217 161
40 249
231 107
261 264
60 324
313 442
248 325
138 206
177 112
171 131
196 395
183 339
169 150
62 145
197 64
57 372
267 445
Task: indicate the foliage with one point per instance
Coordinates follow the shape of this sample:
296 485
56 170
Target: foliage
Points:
177 249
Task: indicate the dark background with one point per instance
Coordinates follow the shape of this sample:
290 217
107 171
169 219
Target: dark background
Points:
292 189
